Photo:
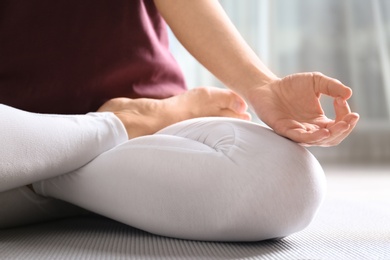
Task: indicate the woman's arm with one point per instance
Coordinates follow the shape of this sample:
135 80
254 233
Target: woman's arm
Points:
289 105
203 27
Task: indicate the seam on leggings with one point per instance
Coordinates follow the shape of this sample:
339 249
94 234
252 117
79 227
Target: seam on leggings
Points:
233 144
156 147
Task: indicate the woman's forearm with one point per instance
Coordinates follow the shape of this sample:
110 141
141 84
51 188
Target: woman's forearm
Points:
204 29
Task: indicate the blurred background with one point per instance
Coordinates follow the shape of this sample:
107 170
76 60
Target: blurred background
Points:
348 40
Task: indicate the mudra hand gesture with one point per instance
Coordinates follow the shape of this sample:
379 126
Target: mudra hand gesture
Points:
291 107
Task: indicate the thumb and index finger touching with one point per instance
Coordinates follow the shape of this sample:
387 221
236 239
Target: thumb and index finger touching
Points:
337 90
340 93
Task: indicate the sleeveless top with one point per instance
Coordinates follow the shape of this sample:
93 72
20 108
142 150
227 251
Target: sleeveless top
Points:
70 56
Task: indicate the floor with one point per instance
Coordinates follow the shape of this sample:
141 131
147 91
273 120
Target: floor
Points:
366 182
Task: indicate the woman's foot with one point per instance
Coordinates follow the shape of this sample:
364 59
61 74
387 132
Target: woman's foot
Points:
146 116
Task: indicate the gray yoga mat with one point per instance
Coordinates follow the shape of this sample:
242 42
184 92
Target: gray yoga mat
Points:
353 223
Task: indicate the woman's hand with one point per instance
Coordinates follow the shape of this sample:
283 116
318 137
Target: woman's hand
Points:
291 107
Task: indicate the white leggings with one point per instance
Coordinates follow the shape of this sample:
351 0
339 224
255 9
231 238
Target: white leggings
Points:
207 179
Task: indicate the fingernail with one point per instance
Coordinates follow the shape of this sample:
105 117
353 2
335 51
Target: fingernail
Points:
340 101
239 107
354 121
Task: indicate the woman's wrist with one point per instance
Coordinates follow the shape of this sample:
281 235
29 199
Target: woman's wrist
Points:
248 84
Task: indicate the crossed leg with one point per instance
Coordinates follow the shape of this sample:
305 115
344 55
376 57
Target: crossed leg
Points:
35 146
205 179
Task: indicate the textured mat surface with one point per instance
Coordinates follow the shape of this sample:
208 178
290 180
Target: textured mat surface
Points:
353 223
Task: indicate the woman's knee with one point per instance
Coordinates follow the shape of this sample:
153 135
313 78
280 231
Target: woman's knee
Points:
284 190
272 187
302 187
278 185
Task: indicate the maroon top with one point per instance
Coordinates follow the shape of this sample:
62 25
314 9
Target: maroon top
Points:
70 56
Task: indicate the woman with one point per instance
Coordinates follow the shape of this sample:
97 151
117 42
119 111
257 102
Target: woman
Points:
204 178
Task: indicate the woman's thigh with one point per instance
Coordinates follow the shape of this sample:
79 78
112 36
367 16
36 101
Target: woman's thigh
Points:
207 179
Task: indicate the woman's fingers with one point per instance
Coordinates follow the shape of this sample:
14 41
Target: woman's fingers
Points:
350 120
224 99
337 131
230 113
343 124
341 108
330 86
225 103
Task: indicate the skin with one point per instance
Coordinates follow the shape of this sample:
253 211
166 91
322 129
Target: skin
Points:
290 105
